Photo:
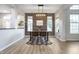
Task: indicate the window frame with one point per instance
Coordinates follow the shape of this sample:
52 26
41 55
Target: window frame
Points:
31 29
74 22
48 23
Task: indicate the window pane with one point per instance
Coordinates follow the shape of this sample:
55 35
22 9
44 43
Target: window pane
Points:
30 23
74 27
49 23
74 18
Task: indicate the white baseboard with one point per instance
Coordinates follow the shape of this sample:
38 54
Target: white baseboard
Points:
11 43
62 40
73 40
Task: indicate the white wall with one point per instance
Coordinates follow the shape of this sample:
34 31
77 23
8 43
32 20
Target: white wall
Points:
69 36
9 10
4 9
9 36
63 14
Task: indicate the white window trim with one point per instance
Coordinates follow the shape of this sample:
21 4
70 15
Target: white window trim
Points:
75 23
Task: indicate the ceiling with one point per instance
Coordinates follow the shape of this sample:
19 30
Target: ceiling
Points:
33 8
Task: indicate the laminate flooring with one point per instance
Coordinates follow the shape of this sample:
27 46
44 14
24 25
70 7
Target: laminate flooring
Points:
57 47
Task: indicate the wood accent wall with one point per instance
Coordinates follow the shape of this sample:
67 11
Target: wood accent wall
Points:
44 18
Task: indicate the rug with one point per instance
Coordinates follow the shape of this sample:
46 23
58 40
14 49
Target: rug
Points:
38 42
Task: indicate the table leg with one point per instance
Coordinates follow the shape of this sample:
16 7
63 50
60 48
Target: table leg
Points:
30 36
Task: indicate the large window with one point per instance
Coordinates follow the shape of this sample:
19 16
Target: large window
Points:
49 23
74 23
29 23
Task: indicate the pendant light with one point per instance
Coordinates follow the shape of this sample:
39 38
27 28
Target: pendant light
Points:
40 8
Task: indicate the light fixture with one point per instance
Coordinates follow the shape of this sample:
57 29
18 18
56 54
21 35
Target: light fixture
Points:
40 10
40 15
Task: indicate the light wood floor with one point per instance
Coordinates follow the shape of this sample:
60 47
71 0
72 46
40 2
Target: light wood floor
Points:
57 47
